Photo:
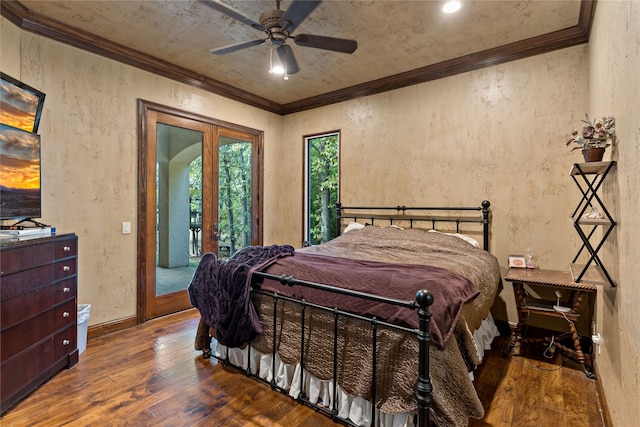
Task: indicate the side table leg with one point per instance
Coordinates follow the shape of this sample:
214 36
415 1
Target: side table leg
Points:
588 372
506 352
577 348
577 302
518 291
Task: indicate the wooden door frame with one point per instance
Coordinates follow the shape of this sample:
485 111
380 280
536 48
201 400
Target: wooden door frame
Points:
146 227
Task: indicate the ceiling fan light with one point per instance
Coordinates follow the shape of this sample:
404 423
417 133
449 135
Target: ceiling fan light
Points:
277 69
275 66
451 7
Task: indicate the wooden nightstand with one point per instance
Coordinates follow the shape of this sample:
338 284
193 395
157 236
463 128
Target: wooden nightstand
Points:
520 277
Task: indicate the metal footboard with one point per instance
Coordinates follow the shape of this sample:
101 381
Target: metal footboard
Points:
423 388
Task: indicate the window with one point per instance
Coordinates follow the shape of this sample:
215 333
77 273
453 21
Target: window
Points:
321 186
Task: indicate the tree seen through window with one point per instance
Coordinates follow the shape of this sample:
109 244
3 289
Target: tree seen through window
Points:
322 187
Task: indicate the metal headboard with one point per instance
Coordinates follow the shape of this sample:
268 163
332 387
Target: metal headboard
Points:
417 215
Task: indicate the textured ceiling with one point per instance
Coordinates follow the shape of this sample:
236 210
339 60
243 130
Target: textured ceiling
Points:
393 37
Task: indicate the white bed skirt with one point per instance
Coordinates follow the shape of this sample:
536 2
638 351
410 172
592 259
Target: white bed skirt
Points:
320 392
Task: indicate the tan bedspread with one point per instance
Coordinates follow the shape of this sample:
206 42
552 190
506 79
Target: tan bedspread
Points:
455 398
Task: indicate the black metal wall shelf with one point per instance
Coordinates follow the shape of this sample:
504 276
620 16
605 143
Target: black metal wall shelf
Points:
589 178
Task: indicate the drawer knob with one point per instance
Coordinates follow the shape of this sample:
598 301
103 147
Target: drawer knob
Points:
66 268
65 314
67 249
65 342
65 289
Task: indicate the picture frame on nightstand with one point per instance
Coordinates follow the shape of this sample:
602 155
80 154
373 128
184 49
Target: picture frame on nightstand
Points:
517 261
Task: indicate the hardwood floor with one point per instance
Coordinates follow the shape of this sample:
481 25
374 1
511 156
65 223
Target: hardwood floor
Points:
531 390
151 375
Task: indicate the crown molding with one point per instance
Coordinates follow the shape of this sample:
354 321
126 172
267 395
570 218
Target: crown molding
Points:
29 20
36 23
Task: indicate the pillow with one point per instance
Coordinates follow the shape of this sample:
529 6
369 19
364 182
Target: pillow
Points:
357 226
467 239
353 226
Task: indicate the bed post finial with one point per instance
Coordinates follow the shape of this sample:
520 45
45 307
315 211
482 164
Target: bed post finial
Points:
485 224
424 299
423 385
338 217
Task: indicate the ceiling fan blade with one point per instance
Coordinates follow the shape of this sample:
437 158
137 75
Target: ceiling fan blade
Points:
297 13
285 53
326 43
236 47
229 11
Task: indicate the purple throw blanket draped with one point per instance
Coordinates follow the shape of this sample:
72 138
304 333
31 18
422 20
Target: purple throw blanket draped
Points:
399 281
220 290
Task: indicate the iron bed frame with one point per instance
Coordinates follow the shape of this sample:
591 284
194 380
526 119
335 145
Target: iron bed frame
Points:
423 299
354 213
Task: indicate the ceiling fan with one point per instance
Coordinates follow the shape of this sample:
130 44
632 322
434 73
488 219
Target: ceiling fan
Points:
278 25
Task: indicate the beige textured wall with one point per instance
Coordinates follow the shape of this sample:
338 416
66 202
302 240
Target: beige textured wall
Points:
9 48
614 88
89 154
495 134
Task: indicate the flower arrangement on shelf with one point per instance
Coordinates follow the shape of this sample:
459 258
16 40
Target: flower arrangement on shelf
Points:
599 133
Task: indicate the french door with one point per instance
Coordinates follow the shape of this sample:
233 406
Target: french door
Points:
200 185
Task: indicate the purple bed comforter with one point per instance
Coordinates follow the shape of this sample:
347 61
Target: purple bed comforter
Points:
398 281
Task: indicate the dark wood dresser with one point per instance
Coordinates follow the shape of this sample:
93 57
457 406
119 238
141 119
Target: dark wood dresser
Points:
38 332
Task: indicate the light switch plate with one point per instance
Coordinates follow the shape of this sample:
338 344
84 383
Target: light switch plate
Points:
126 228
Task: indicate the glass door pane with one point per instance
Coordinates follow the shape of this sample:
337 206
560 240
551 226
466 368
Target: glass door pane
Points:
178 206
233 229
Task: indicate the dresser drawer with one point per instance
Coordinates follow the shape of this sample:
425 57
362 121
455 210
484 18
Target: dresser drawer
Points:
23 282
65 248
18 372
17 309
64 315
65 268
22 307
21 336
65 342
26 257
25 372
64 290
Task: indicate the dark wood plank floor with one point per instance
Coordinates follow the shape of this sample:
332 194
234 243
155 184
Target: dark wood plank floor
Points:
531 390
151 375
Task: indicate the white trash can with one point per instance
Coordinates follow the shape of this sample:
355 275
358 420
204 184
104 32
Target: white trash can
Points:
84 312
